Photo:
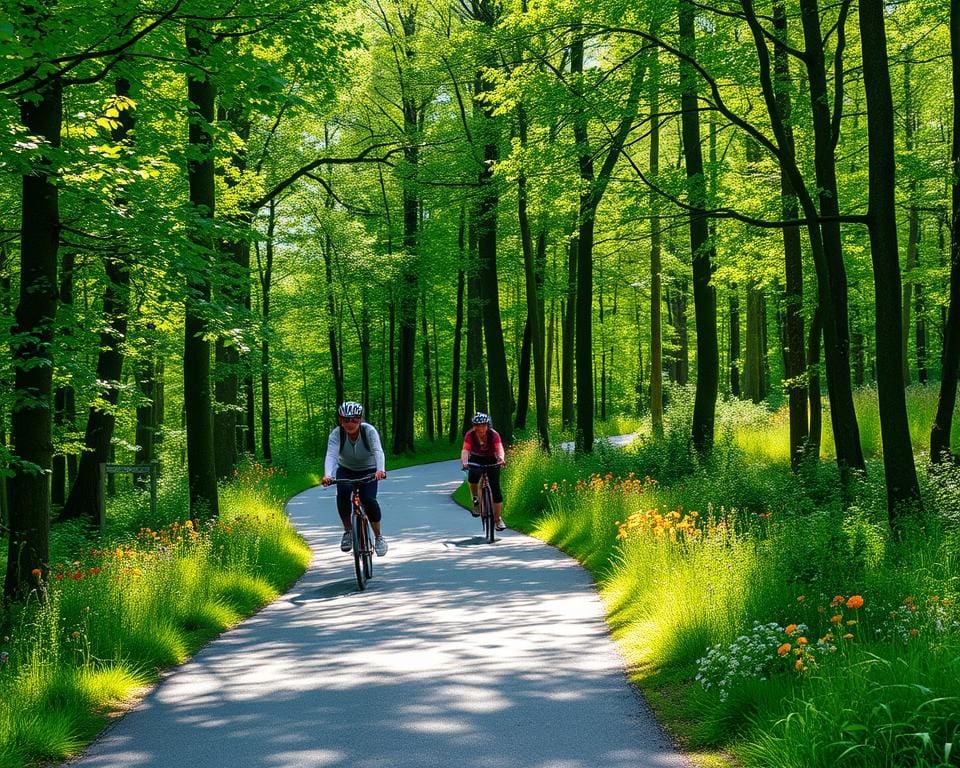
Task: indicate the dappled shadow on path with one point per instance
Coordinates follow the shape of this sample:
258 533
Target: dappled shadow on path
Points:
480 656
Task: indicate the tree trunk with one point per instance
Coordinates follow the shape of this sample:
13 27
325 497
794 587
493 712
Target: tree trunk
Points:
567 336
427 385
31 426
64 403
457 342
903 490
201 468
756 366
832 278
734 345
794 358
701 248
266 279
656 263
82 503
815 438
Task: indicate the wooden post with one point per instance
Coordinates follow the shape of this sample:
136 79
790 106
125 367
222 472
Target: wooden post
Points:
102 496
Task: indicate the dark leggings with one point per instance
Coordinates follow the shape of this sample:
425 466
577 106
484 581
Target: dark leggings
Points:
493 474
368 494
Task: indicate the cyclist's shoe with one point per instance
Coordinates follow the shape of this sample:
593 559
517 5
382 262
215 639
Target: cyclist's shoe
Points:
380 546
475 509
347 541
500 525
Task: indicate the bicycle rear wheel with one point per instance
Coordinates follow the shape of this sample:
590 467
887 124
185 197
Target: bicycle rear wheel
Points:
358 555
486 513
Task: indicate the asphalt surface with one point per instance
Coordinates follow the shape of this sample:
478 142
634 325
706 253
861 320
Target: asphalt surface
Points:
459 653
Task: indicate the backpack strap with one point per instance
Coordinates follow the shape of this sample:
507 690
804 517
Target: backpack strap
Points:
363 436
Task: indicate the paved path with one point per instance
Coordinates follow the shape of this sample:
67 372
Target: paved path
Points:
460 653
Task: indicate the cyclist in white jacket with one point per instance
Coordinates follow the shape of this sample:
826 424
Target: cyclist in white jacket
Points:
354 451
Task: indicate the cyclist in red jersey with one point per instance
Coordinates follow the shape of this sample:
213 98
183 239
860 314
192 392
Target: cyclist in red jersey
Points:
482 445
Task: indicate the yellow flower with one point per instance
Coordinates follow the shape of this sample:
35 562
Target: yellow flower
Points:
848 636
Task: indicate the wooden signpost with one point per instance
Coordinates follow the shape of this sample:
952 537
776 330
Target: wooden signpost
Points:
151 469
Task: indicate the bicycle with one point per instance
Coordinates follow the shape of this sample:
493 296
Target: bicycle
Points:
362 541
485 498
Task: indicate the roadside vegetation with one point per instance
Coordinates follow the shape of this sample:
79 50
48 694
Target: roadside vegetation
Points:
118 609
768 624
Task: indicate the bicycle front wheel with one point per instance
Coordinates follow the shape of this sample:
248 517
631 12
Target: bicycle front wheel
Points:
367 550
358 556
486 514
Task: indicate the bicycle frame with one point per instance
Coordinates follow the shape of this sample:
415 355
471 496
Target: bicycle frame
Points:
485 496
362 541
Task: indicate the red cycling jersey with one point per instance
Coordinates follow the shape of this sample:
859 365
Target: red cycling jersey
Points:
491 449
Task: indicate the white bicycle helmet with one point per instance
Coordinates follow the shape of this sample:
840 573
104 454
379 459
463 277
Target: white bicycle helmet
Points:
481 418
349 409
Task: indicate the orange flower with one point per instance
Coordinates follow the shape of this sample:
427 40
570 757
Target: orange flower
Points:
855 602
914 632
836 601
802 641
836 619
798 665
36 573
784 649
791 628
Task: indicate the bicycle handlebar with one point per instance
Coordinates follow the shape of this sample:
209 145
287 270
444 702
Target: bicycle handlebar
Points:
474 465
358 480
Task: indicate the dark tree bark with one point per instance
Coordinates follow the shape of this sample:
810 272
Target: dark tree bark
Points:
567 341
733 309
332 346
823 226
234 288
523 378
794 357
913 221
656 248
501 396
6 300
64 400
427 384
593 186
31 421
408 285
833 280
457 345
265 272
701 248
84 499
476 389
533 278
201 469
903 489
756 367
145 376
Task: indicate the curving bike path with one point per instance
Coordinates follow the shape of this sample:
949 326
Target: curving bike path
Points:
459 653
